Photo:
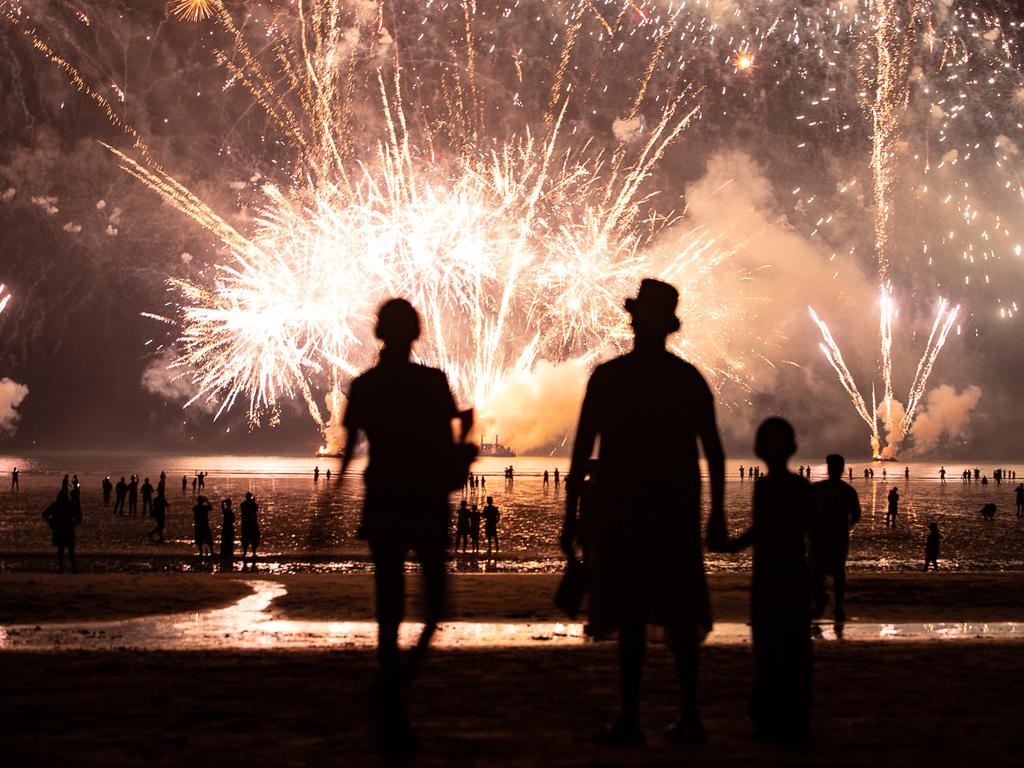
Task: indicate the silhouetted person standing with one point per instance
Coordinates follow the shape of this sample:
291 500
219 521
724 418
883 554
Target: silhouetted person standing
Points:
316 474
158 511
931 547
780 617
406 412
62 516
133 495
201 477
462 526
107 488
893 508
147 498
227 533
838 508
121 492
558 477
942 475
201 521
250 526
184 484
649 408
491 516
14 480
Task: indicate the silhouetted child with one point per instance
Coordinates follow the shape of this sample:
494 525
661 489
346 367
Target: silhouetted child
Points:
780 592
989 511
931 547
462 526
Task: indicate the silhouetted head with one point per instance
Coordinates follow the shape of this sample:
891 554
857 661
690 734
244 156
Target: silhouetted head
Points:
490 499
653 311
147 479
775 441
836 465
248 496
398 323
933 527
200 499
225 504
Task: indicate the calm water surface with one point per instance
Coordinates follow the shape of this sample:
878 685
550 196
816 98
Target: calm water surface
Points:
310 526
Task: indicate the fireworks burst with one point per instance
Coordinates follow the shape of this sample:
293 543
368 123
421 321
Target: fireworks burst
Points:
194 10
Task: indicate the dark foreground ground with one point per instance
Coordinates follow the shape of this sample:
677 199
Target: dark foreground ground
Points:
911 704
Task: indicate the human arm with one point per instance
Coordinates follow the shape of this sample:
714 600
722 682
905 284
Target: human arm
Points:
711 443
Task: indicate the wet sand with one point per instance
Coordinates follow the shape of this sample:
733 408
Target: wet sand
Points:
892 705
905 597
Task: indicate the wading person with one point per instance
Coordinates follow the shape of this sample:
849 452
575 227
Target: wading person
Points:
158 512
107 488
406 412
201 522
893 508
837 508
227 533
491 515
147 498
780 616
649 409
250 526
63 516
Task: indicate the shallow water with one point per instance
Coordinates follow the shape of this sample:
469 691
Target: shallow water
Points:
309 526
247 625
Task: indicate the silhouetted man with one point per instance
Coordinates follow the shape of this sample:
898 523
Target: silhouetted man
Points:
14 480
250 527
649 409
62 516
406 411
120 491
158 511
893 507
147 498
837 508
491 515
107 488
133 495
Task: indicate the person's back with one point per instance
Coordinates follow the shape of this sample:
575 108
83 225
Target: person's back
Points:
249 508
490 517
838 507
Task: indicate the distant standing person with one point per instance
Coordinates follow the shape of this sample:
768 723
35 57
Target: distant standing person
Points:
837 509
147 498
491 516
462 526
1020 499
107 488
893 508
194 489
184 484
158 511
133 495
558 477
931 547
250 526
201 477
906 473
741 472
227 532
14 480
649 409
780 618
316 474
942 475
120 493
201 521
63 516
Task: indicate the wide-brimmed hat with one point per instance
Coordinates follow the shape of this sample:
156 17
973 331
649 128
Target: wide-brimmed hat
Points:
655 305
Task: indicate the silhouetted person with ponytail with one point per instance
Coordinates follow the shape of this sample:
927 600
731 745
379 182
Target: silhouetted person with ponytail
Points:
405 410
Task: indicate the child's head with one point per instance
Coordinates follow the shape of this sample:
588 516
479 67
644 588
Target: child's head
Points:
933 527
775 441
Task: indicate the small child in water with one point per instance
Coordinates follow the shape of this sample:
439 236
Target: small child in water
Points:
931 547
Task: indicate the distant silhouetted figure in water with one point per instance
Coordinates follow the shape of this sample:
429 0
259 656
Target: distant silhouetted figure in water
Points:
201 477
558 477
931 547
462 525
474 527
837 509
491 516
14 480
158 512
184 484
194 481
120 493
850 474
147 498
942 475
328 475
893 508
906 473
1019 493
741 472
316 474
107 488
406 412
227 532
988 512
63 516
649 409
133 495
984 479
250 526
201 521
783 517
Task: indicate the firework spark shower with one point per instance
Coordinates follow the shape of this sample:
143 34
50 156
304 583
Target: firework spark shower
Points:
515 184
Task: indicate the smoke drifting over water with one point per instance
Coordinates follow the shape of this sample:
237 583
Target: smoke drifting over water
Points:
945 417
11 396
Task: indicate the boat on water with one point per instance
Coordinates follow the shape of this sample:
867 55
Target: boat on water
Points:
495 449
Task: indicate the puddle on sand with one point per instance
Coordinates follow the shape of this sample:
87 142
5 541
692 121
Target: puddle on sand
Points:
247 625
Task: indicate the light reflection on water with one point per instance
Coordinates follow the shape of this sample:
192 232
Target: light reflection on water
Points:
248 625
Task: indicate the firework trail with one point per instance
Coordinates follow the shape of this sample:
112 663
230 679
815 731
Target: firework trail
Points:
4 299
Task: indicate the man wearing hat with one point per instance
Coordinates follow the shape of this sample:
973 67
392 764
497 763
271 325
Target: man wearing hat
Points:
645 560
